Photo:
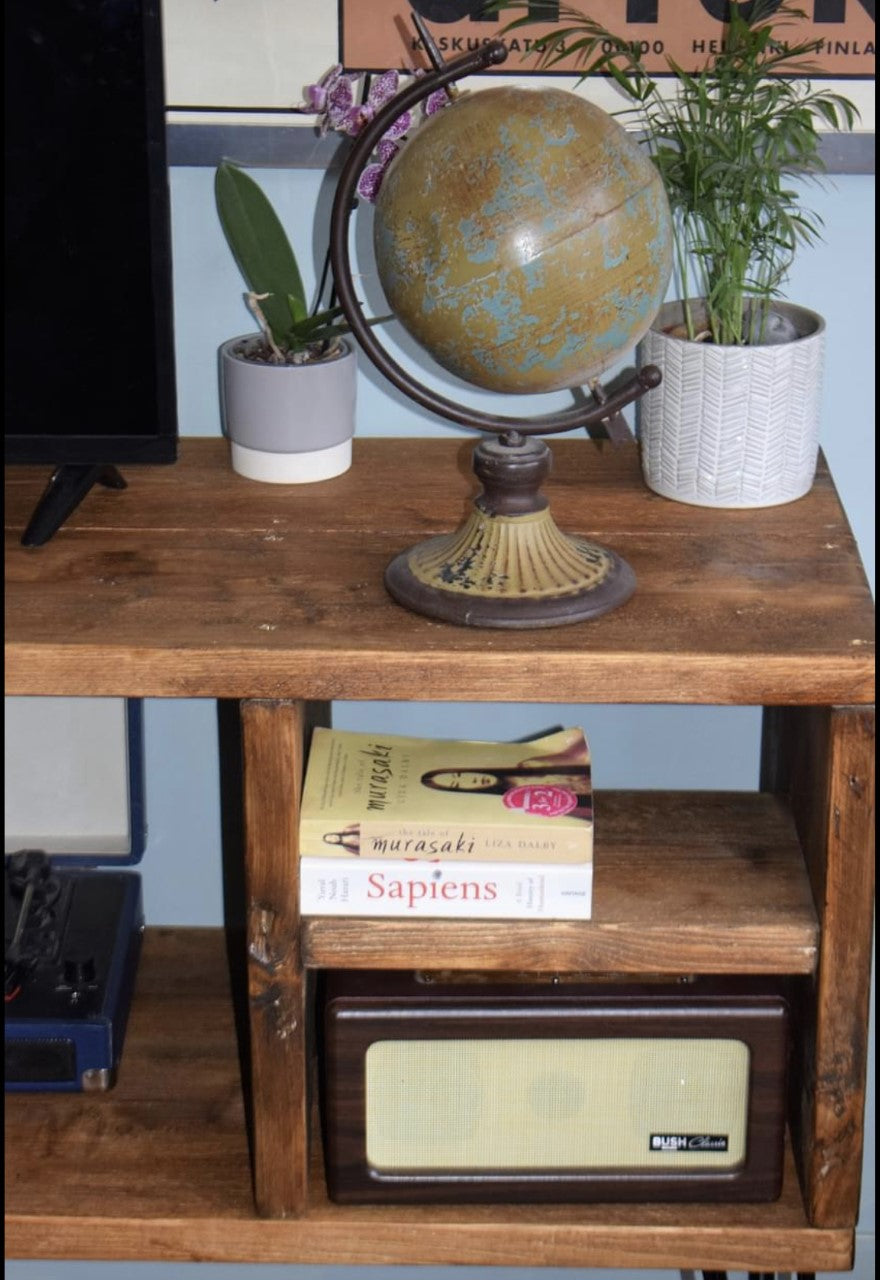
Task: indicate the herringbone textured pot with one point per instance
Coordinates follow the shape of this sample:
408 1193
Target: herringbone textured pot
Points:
732 426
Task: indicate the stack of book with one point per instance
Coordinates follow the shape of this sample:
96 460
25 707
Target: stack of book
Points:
398 826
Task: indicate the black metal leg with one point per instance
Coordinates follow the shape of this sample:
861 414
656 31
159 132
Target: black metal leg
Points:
752 1275
66 489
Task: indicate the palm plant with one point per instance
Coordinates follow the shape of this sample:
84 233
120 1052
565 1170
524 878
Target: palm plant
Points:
729 144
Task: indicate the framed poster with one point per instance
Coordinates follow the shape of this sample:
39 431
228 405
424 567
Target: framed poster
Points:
380 33
247 62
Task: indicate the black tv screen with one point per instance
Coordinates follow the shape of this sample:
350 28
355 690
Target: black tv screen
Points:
89 335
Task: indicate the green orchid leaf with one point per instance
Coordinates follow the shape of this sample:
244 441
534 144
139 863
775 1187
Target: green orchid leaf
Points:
260 247
298 310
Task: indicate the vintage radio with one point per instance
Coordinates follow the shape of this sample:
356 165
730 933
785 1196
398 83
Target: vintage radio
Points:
613 1091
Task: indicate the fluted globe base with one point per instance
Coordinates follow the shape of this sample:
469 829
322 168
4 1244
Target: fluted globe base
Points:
509 571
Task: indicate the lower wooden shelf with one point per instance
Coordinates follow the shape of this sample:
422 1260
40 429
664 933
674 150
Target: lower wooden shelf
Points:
158 1169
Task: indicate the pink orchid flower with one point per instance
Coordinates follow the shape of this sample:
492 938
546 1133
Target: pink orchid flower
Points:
333 100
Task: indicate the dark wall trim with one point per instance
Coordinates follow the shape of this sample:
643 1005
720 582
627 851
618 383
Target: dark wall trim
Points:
257 145
848 152
278 146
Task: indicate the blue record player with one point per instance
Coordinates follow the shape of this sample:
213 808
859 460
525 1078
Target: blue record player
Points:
72 923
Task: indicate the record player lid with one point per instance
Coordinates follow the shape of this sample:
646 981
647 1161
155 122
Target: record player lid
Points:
74 779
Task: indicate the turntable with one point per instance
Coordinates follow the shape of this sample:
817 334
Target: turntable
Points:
72 926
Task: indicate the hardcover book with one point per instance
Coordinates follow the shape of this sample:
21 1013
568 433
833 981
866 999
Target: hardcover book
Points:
387 822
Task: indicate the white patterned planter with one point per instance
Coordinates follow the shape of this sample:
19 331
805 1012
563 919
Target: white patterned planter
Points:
732 426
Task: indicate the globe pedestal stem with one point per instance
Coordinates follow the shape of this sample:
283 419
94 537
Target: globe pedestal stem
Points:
509 565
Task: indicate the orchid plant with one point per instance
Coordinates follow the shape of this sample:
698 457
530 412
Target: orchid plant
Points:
276 297
258 242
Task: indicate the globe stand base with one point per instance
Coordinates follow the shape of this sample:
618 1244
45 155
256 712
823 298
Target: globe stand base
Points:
509 564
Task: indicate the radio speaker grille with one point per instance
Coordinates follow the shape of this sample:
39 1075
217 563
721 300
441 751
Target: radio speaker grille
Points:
566 1104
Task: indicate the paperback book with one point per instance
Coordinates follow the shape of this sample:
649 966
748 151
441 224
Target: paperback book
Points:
481 890
387 822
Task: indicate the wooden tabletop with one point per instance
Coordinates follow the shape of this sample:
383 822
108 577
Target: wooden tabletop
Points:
194 582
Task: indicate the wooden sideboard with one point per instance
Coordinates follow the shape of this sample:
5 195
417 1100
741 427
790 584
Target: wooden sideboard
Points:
196 583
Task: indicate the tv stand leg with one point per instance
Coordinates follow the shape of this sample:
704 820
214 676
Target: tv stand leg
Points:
65 491
111 478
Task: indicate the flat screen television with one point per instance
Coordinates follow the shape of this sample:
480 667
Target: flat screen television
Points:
89 375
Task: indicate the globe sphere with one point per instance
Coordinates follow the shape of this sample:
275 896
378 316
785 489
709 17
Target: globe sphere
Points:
524 239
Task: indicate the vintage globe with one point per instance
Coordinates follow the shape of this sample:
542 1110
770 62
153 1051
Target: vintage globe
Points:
523 238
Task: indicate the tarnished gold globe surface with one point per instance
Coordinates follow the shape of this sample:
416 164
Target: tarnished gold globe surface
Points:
523 238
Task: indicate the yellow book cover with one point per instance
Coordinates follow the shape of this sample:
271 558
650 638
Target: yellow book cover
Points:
383 796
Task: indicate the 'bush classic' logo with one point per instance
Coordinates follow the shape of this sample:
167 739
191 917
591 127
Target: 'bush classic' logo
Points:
666 1143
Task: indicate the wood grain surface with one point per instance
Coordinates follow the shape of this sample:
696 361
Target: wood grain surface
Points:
158 1168
707 882
822 758
194 582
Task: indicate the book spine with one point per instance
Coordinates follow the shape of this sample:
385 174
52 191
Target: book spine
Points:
484 890
396 841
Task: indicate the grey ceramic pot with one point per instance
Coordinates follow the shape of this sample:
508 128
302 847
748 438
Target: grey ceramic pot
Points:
288 424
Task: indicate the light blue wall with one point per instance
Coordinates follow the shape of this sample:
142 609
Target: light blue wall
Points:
642 747
273 1271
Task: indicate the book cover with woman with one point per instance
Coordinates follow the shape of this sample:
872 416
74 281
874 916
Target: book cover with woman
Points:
387 796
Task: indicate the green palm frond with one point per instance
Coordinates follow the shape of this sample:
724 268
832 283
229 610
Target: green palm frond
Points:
723 142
